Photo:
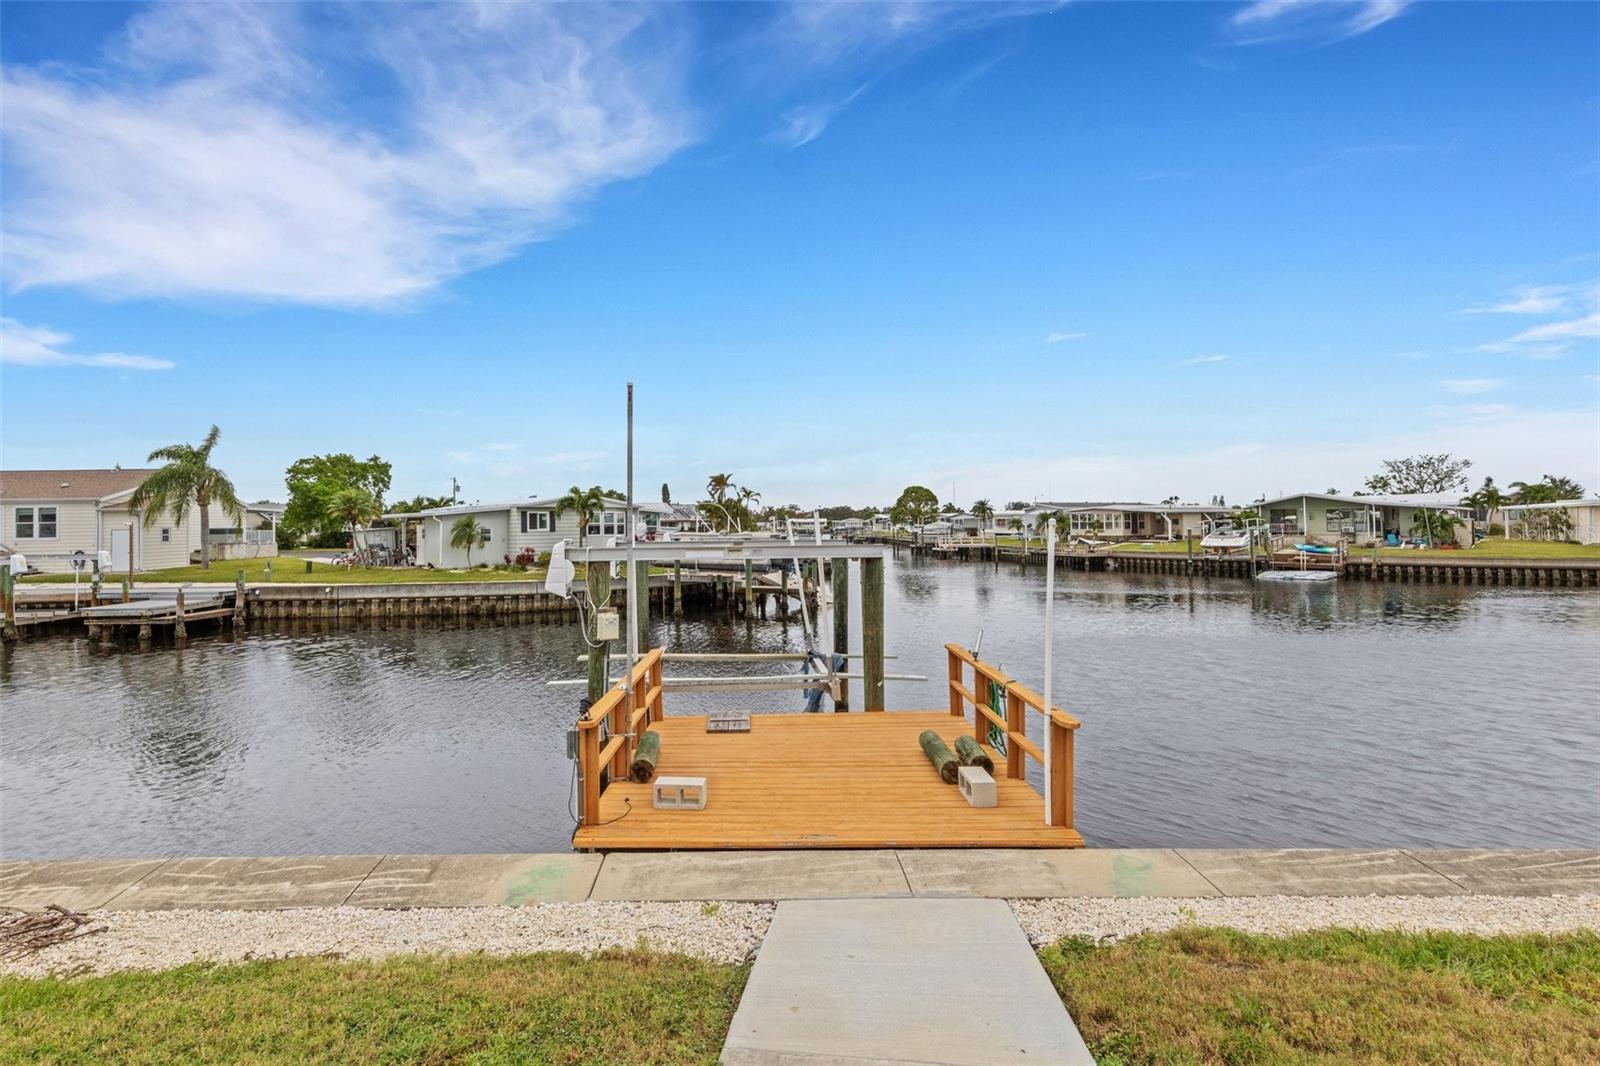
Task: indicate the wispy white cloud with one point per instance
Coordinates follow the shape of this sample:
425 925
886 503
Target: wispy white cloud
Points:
1057 338
1201 360
25 345
806 122
1329 20
215 153
1470 386
1535 300
1577 304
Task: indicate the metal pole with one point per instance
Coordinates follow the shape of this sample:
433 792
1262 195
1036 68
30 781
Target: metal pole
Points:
1049 649
633 628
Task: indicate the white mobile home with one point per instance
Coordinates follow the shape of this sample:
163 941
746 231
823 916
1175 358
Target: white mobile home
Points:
505 529
1581 520
1329 517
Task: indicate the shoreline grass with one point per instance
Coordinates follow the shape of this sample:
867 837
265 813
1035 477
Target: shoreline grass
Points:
615 1007
1193 995
292 569
1214 995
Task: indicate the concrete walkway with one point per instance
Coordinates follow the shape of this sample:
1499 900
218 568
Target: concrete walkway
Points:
870 982
515 880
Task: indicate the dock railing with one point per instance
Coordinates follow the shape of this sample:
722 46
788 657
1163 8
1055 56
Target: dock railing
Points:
616 755
1060 727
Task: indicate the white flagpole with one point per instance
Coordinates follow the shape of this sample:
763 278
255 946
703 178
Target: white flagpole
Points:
635 595
1049 649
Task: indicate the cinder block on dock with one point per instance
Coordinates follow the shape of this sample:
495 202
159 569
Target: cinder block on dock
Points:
679 793
977 787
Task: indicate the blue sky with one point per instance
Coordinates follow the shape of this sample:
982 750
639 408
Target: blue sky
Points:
1084 251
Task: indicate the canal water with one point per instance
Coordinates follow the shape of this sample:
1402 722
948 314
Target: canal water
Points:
1216 713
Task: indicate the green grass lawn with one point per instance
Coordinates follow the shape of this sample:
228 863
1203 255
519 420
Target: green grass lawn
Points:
619 1007
1209 995
1190 996
1493 548
293 568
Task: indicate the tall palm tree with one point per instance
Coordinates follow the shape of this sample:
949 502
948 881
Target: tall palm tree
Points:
187 476
354 507
585 502
983 510
1488 499
748 498
718 485
464 533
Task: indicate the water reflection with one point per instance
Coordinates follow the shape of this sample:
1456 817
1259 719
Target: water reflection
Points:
1216 713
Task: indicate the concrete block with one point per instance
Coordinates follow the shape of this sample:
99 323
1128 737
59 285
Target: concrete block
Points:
477 880
679 793
977 787
749 875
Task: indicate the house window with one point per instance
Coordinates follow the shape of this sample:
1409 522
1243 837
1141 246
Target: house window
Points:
36 522
608 524
166 535
536 521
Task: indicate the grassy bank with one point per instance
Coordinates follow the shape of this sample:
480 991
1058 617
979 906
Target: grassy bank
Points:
620 1007
1207 995
293 569
1494 548
1190 996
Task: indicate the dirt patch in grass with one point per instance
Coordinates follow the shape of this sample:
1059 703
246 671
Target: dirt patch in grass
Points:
617 1007
1211 995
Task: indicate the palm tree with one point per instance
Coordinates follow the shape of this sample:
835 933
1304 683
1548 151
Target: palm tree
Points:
983 509
748 498
583 501
187 476
1015 525
1488 499
464 533
718 485
354 507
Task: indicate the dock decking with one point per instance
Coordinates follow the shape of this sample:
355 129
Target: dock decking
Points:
819 781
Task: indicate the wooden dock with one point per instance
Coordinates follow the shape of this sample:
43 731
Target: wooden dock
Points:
852 780
830 780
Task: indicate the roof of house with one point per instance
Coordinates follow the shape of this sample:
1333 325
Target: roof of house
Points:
612 503
1551 506
1141 508
69 484
1436 500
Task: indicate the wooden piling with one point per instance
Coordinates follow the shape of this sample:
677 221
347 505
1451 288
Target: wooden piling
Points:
639 604
8 589
872 633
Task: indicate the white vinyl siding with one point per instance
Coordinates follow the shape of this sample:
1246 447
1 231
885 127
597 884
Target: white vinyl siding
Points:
73 531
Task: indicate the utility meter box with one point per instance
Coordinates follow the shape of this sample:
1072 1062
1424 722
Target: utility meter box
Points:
607 626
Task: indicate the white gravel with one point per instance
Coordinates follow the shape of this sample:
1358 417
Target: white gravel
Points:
1048 920
727 932
154 940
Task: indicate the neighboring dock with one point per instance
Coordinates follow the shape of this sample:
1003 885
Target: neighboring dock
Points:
1355 563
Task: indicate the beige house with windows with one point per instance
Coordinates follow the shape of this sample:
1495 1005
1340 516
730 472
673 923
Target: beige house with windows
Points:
50 515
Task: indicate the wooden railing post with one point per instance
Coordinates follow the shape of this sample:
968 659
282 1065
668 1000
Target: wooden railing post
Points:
957 709
589 771
1061 743
1016 722
619 728
656 711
